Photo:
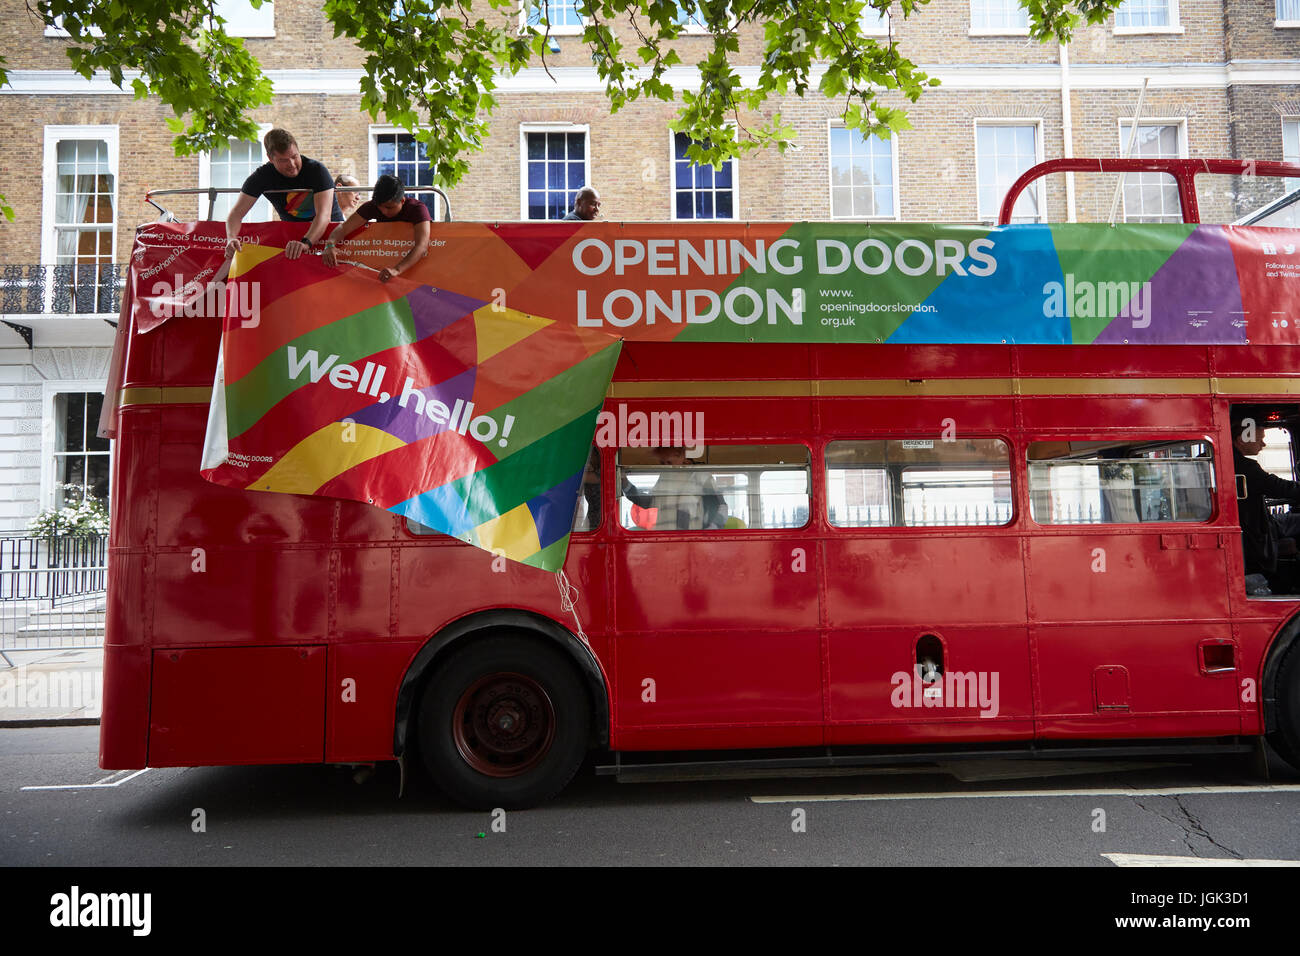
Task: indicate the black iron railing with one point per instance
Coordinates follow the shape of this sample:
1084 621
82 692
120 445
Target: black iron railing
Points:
62 290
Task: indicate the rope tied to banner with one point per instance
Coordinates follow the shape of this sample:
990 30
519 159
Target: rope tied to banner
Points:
569 602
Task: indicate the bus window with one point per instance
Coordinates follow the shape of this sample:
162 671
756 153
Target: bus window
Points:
1121 482
918 482
727 487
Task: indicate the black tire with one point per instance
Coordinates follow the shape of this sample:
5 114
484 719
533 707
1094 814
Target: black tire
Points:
1285 737
504 723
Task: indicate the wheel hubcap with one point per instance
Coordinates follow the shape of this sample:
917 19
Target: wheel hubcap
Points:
503 724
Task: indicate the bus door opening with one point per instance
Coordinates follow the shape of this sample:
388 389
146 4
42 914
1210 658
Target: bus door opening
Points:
1267 496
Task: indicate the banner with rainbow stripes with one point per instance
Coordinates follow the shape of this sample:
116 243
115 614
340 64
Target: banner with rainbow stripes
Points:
456 412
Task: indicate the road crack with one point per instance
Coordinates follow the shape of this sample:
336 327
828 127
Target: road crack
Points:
1189 825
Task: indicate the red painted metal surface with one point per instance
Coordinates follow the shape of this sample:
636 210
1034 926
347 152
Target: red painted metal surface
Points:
1184 172
743 650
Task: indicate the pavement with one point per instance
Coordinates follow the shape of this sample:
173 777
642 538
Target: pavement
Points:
51 687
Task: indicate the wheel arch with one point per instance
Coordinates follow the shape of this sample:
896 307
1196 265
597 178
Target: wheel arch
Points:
1286 639
497 620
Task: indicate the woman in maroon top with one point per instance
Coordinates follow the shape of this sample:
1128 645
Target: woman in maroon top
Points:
388 203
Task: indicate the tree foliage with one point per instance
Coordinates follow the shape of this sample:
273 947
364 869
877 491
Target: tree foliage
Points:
431 66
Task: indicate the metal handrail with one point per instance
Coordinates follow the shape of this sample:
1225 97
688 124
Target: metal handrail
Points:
213 192
1184 172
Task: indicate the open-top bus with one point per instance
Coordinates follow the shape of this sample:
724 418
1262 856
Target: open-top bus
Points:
923 549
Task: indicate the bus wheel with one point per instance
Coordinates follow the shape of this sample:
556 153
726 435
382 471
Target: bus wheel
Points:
503 724
1285 738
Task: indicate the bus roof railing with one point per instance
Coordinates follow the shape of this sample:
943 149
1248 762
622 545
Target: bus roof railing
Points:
1184 172
212 192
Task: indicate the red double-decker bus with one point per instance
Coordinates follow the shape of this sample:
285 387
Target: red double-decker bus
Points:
873 552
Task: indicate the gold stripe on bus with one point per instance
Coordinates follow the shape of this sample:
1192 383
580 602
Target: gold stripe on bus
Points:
1262 386
175 395
847 388
861 388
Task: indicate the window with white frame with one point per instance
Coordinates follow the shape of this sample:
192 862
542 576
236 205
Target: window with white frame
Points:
227 168
1288 13
701 192
398 153
80 209
79 458
561 14
1291 140
555 168
1152 197
863 184
57 29
691 21
242 20
994 16
1143 15
873 21
1002 152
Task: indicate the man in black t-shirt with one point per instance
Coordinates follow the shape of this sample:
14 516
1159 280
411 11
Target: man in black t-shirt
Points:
311 199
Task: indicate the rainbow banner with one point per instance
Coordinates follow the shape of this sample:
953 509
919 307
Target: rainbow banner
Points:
464 393
458 413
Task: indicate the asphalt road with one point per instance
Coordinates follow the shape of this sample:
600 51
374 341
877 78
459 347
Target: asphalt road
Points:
977 813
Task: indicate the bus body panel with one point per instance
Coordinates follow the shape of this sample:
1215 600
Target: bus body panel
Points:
237 705
742 651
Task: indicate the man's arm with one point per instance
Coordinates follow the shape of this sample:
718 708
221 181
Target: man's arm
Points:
421 231
349 226
236 218
324 202
1271 485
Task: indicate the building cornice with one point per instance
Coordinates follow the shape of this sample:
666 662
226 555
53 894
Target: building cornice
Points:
981 76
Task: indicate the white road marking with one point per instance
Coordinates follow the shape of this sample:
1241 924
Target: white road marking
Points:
986 794
1143 859
92 786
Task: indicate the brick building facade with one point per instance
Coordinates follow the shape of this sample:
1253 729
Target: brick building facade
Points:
1224 81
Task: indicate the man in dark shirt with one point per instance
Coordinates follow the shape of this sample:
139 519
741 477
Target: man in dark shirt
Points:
311 198
586 204
388 203
1263 535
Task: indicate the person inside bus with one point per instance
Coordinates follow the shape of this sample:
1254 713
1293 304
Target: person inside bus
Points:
388 203
684 499
586 205
300 189
1264 536
348 201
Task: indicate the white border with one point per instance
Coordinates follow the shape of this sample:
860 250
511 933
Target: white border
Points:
832 124
672 186
1175 24
559 127
49 389
53 134
1037 185
1178 121
555 31
205 174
